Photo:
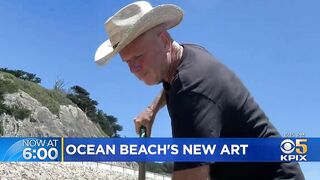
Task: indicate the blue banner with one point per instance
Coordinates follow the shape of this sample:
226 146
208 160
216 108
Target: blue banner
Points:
161 149
30 149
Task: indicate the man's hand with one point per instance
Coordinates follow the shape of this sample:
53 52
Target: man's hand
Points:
146 118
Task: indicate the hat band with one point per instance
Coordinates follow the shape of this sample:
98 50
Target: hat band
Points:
116 45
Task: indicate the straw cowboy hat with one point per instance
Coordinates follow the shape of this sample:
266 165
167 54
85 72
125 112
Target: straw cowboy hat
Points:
130 22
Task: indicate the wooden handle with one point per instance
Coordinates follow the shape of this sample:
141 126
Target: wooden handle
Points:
142 165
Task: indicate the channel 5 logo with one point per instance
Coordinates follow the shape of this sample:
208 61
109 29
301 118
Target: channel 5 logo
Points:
294 150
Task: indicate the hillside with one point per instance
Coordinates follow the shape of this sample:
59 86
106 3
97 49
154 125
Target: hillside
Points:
27 109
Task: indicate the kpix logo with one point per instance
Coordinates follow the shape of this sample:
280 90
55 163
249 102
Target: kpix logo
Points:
299 148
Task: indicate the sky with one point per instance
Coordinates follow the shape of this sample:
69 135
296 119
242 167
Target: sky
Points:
272 45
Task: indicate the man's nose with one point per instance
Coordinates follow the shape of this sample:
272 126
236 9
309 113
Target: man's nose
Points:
134 67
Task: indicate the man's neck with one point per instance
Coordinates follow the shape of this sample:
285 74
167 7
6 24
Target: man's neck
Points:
176 55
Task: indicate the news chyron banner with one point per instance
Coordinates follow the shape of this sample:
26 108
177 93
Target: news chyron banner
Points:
30 149
160 149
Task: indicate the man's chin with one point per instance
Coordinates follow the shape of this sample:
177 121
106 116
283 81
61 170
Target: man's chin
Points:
151 83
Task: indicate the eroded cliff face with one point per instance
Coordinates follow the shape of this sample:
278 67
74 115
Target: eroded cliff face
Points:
70 122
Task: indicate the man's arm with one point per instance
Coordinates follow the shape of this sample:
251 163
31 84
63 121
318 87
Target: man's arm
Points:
146 118
199 173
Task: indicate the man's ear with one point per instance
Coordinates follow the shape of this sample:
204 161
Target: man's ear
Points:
166 41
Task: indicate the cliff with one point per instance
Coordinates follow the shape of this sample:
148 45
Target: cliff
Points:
50 117
70 122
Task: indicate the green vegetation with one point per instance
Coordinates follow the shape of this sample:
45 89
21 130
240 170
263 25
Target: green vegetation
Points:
8 86
52 99
22 75
109 124
81 97
17 112
13 80
160 168
20 113
1 129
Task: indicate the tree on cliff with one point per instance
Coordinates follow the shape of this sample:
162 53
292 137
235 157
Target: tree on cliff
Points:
23 75
81 97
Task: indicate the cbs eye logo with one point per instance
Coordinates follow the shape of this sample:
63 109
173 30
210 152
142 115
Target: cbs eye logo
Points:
288 146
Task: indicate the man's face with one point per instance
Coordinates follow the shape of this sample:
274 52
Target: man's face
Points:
146 57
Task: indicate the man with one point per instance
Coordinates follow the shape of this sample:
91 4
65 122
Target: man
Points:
203 97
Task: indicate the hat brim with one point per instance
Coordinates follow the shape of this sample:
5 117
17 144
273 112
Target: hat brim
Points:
167 14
